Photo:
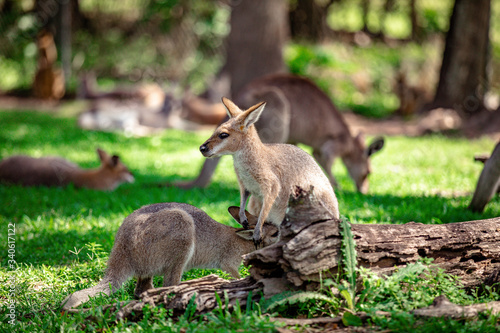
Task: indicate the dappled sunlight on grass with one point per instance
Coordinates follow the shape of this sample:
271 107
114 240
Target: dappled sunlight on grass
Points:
64 235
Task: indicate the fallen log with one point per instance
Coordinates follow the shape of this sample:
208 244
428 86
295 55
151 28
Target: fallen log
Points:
310 249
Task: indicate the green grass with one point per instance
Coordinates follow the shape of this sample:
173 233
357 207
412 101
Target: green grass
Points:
63 236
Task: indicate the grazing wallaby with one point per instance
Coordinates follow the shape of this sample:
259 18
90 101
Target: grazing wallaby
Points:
299 112
269 172
168 239
56 171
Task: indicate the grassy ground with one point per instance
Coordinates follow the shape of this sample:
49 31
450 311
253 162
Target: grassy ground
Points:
63 236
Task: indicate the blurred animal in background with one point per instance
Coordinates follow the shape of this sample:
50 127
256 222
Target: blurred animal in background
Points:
56 171
49 80
168 239
146 108
297 111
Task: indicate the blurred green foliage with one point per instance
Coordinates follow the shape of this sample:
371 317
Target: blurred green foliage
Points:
182 41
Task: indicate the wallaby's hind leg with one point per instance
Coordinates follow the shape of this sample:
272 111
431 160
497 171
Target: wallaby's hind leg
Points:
173 278
174 268
142 285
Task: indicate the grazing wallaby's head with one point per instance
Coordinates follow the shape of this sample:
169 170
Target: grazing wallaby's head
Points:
114 171
227 138
357 161
270 232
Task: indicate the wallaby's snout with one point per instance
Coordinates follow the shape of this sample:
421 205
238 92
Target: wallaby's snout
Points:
204 148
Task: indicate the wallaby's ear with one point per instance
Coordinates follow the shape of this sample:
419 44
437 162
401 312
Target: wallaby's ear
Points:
115 159
235 213
375 146
245 234
231 108
103 156
251 115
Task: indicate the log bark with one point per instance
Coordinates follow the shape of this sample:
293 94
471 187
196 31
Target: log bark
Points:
311 247
199 291
488 183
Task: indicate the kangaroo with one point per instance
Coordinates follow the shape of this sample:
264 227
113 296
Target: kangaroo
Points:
56 171
299 112
170 238
268 172
49 80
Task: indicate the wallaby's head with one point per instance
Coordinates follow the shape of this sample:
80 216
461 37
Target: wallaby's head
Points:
113 169
229 136
357 161
270 233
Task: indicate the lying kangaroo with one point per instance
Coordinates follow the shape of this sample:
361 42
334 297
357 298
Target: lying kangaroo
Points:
56 171
170 238
298 111
269 172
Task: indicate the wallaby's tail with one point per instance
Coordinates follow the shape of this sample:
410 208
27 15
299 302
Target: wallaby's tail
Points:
82 296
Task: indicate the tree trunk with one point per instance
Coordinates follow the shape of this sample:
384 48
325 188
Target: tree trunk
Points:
308 20
488 183
462 80
259 29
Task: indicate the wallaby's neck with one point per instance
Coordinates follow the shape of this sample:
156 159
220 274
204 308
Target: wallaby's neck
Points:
251 146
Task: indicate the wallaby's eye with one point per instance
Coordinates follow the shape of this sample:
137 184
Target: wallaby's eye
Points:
275 234
223 135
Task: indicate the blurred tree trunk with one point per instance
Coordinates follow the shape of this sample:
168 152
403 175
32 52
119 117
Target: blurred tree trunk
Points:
259 29
308 20
463 80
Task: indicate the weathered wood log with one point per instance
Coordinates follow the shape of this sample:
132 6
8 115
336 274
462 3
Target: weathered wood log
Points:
310 249
488 183
201 291
442 307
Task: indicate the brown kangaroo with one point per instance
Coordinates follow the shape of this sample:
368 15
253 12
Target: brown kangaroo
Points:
269 172
298 111
49 80
56 171
168 239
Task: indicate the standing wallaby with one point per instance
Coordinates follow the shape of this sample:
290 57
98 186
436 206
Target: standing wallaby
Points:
269 172
298 111
56 171
168 239
49 80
